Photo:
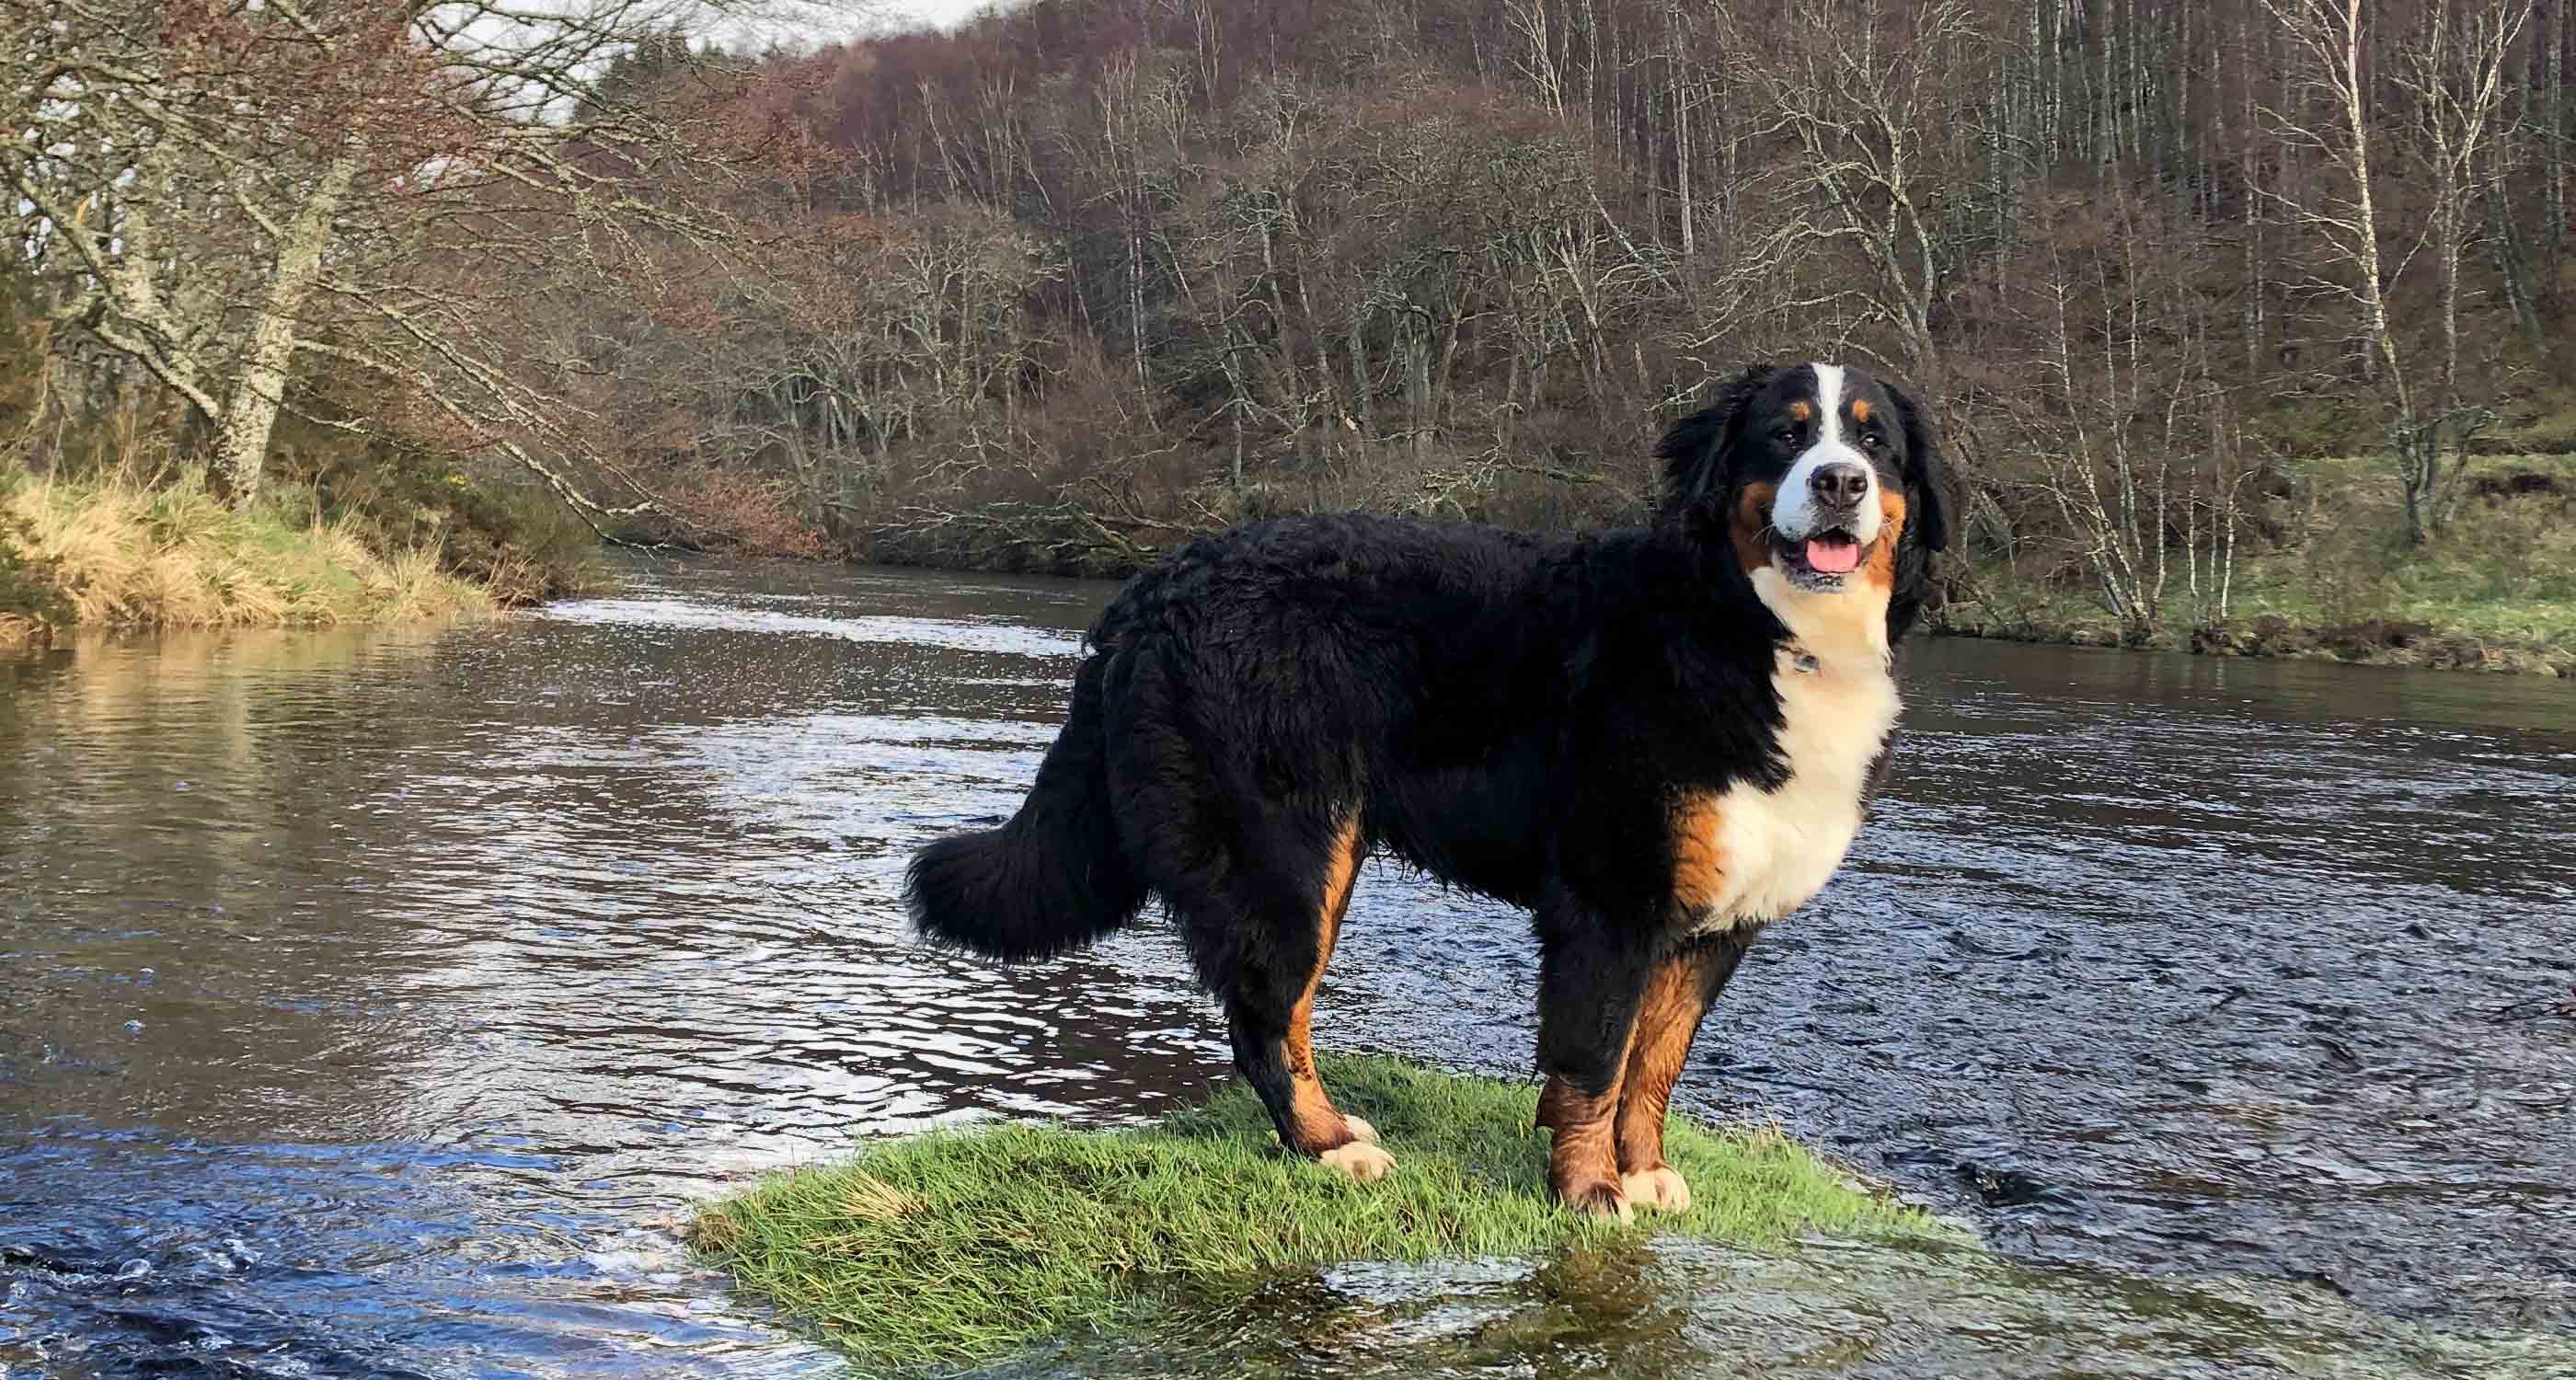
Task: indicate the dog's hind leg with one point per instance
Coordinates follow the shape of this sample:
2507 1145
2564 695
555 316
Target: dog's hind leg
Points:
1269 993
1678 994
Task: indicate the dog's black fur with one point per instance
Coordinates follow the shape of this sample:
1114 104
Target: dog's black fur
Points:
1513 713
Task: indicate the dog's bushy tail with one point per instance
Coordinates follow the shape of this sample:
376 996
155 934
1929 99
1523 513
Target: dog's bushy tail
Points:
1054 878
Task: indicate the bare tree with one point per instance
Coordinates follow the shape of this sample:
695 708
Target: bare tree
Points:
2452 79
231 194
1865 98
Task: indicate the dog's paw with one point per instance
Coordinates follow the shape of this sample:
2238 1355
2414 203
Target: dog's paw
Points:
1661 1188
1360 1128
1599 1198
1360 1160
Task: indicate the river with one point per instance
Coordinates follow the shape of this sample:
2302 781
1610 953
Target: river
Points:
372 1002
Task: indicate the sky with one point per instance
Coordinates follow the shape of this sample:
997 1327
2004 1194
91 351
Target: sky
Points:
938 13
825 21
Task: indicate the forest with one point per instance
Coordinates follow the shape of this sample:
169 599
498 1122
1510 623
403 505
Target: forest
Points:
2243 318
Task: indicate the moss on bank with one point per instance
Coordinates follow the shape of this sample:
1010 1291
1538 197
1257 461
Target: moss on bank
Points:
954 1246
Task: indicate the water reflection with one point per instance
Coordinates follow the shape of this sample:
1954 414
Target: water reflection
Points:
365 996
1849 1309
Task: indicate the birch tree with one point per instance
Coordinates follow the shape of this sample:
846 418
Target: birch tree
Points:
2451 78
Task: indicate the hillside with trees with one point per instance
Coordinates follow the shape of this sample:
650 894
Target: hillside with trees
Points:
2245 317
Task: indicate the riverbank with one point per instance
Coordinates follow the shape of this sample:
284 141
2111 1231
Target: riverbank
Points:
2317 575
2051 617
2495 590
127 556
955 1247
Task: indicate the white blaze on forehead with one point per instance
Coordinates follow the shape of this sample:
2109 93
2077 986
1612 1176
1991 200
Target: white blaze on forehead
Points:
1829 402
1793 513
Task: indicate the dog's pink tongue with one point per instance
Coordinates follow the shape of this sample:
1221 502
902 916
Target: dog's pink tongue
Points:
1834 557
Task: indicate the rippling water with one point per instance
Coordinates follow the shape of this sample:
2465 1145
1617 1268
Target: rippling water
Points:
370 1001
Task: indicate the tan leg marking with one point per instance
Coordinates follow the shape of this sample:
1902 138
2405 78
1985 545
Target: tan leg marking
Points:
1668 1017
1344 1143
1582 1153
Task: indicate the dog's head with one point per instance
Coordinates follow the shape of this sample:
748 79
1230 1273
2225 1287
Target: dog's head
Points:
1825 474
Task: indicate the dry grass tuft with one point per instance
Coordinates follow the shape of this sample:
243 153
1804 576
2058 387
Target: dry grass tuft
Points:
135 556
867 1198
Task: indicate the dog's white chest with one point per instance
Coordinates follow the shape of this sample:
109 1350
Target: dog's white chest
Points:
1775 849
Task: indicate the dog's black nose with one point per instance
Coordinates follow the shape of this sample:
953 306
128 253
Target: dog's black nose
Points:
1840 483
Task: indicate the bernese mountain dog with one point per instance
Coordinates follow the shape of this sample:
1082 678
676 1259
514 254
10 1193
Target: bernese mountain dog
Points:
1659 740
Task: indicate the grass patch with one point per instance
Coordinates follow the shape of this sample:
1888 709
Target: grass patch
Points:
128 555
2496 587
2502 569
963 1245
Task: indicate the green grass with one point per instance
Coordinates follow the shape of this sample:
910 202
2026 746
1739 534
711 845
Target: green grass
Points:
2543 421
2501 574
958 1246
2503 569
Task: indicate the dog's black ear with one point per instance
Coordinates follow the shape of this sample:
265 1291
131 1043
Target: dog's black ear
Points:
1931 473
1697 449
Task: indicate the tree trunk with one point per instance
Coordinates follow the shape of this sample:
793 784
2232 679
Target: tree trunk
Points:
1681 131
2513 259
2552 143
1359 419
2251 173
2418 460
259 391
2351 45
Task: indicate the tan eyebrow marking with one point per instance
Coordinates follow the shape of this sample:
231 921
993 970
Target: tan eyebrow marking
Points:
1860 409
1801 411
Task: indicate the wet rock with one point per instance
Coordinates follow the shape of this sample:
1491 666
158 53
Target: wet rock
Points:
2322 1280
2372 634
2273 635
2002 1186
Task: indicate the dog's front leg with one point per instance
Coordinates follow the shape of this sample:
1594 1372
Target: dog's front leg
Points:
1592 973
1685 981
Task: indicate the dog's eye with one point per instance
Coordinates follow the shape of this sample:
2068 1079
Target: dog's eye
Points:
1873 440
1787 436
